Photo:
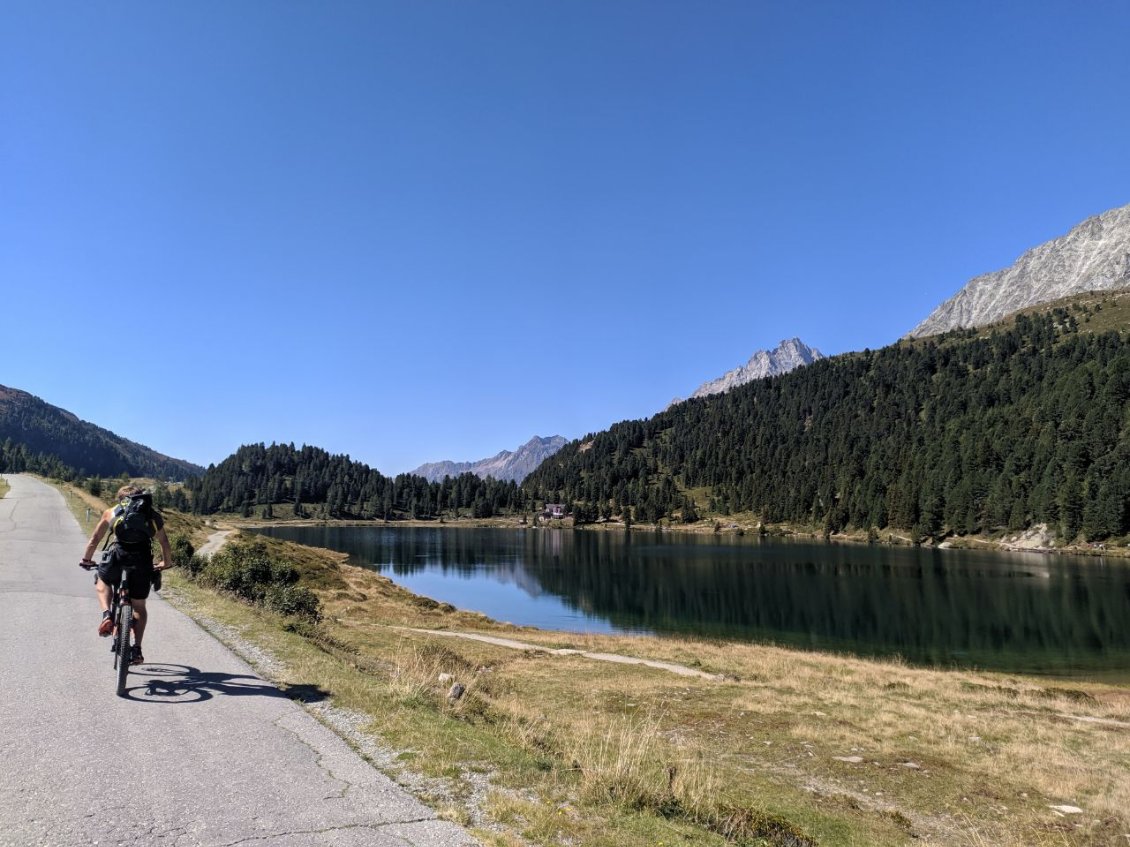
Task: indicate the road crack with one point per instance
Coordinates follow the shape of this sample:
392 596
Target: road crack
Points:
319 760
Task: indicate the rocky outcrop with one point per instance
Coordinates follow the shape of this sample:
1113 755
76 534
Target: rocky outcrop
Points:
1094 256
507 465
789 355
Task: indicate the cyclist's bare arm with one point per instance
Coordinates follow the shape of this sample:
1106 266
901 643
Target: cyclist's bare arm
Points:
166 551
99 531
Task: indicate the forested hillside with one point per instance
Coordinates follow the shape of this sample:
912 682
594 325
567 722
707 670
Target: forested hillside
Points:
16 458
969 432
256 478
36 436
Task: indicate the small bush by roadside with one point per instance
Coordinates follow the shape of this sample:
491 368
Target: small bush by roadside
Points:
247 571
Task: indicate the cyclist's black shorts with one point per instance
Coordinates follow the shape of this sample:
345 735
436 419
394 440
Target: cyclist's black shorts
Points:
141 572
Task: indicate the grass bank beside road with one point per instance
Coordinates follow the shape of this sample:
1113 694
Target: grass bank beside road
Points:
786 748
781 747
4 487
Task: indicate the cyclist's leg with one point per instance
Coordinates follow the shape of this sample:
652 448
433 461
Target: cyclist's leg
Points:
140 615
104 592
139 577
109 572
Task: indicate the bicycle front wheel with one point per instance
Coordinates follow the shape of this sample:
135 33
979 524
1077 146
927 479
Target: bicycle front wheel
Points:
125 628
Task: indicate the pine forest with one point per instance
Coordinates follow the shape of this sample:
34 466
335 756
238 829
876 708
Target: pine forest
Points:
970 432
318 484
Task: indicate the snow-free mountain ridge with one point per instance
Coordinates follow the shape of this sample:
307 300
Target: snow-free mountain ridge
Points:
790 354
506 466
1093 256
47 430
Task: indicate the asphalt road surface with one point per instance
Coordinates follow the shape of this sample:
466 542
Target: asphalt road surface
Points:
201 752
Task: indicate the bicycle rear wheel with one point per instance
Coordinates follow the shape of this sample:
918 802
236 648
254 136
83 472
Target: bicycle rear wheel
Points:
125 628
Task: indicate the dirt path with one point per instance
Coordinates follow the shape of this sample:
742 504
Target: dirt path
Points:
215 541
681 670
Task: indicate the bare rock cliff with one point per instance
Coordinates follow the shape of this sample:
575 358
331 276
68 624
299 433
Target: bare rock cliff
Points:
1093 256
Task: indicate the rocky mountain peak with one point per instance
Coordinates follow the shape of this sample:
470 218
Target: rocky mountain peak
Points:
1093 256
789 355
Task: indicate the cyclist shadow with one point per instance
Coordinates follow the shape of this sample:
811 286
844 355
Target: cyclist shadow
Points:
184 684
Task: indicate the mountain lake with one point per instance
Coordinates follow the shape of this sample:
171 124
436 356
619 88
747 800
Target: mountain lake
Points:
1014 612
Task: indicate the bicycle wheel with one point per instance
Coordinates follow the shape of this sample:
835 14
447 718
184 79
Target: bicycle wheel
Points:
125 622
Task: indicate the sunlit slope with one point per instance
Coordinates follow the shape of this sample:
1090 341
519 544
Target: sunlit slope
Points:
975 431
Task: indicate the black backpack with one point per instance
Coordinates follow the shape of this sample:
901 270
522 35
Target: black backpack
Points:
133 518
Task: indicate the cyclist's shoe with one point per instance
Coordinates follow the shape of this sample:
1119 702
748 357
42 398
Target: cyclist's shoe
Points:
107 625
135 657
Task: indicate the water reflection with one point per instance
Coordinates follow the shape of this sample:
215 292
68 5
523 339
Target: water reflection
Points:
1004 611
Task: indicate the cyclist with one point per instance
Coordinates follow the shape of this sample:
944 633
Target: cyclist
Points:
134 548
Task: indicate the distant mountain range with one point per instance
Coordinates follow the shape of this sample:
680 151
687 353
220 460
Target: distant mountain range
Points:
1094 256
46 430
505 466
517 465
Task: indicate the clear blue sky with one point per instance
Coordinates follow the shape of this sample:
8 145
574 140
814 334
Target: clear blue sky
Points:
413 231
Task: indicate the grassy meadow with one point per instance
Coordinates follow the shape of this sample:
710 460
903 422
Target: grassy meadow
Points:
779 747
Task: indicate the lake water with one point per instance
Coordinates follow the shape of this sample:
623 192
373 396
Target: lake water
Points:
1004 611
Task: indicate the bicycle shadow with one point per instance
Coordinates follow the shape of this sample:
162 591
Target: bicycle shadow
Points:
176 684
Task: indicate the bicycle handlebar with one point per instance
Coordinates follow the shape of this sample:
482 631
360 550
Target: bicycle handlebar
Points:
89 564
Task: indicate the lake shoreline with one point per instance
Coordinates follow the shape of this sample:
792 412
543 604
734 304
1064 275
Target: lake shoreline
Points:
890 538
989 609
846 750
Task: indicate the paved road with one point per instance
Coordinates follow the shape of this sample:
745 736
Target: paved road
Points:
202 752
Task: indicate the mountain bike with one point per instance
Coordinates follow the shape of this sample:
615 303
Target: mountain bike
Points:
121 613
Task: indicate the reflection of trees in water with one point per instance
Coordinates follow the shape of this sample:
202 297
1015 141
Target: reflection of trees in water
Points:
1021 612
929 606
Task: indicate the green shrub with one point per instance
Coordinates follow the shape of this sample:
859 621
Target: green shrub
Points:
283 573
248 572
244 576
293 600
194 565
182 549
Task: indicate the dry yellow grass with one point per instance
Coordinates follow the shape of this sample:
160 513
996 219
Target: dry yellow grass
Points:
944 757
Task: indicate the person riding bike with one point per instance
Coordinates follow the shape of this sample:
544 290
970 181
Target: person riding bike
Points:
134 523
